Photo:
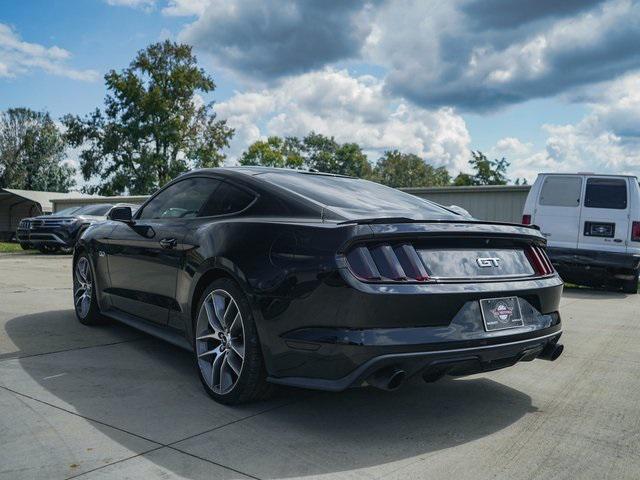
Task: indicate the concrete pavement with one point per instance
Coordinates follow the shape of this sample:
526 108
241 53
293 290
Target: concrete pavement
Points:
110 402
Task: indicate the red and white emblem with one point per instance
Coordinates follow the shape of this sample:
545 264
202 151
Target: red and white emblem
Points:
502 312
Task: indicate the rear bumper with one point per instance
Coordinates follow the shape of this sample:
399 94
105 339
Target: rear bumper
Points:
579 258
340 334
436 363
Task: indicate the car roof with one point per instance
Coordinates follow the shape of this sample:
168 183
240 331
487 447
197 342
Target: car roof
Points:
258 170
590 174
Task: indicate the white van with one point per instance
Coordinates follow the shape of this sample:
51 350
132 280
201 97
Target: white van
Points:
592 226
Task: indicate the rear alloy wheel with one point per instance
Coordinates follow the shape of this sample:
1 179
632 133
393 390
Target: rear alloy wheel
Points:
84 295
227 349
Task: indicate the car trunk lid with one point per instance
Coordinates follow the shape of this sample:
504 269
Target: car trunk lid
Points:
443 251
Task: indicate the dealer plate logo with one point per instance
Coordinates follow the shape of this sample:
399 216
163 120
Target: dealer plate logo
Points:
501 313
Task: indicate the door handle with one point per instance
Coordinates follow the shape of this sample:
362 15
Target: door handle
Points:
168 243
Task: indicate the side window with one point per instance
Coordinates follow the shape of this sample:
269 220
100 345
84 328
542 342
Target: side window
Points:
561 191
183 199
606 193
226 199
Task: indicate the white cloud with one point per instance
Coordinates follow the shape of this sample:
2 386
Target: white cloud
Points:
511 146
352 109
484 54
147 5
18 57
271 39
606 140
186 8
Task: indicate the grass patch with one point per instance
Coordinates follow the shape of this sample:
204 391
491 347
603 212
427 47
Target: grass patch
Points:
6 247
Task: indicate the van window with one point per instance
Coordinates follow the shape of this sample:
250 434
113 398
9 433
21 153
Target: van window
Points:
606 193
561 191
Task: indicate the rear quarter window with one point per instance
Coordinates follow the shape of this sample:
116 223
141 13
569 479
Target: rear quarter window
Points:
561 192
225 200
606 193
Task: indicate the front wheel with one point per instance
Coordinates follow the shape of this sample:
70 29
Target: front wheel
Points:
228 353
25 246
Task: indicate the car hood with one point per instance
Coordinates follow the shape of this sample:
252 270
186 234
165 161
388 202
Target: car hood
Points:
92 218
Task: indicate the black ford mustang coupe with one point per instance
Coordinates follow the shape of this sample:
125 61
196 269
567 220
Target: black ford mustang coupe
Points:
321 281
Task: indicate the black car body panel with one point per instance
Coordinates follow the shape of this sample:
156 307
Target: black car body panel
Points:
319 324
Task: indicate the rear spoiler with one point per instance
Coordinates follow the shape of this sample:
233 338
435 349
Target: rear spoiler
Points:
391 220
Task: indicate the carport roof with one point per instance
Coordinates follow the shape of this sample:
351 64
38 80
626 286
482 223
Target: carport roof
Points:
41 198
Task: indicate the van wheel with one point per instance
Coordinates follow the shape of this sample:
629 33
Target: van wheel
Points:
631 286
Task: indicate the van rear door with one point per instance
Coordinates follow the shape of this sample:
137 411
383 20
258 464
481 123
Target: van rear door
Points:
604 220
557 211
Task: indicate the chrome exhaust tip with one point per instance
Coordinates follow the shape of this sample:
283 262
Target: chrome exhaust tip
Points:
389 379
551 352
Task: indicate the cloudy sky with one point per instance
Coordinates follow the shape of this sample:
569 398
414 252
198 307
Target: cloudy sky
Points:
550 85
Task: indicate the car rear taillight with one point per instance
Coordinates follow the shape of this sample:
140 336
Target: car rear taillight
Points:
526 219
539 260
384 262
635 232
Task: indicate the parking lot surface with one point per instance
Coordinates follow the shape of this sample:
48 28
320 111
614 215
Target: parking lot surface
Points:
110 402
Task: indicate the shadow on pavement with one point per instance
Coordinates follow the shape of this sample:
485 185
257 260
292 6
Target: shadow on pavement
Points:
150 388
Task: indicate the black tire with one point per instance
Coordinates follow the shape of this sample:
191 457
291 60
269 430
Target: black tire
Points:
48 249
631 286
25 246
251 384
92 315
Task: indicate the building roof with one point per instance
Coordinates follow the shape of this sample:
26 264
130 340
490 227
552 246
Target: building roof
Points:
41 198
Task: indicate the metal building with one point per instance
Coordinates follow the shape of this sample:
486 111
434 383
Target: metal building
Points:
502 203
18 204
62 203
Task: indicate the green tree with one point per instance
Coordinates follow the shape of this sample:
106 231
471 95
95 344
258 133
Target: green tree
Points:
397 169
274 152
315 151
464 180
32 152
521 181
486 172
153 127
324 154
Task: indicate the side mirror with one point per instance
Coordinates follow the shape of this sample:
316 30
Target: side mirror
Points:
121 214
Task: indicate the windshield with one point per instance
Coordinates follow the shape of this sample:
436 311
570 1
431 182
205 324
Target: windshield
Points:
354 198
66 212
98 210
